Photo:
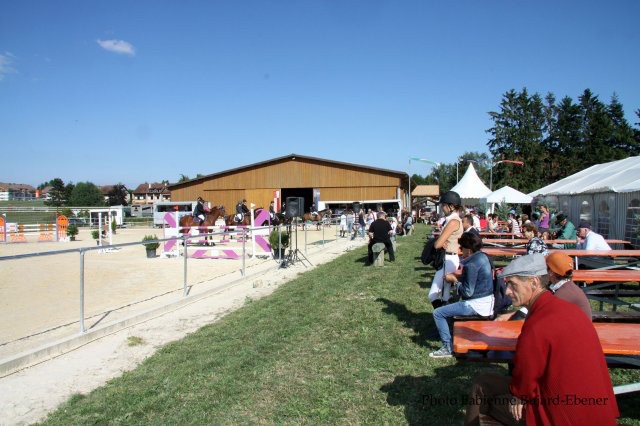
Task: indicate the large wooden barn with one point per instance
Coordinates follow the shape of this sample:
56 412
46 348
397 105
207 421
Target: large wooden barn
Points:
323 182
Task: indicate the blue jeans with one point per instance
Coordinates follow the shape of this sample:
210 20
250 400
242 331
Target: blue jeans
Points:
441 314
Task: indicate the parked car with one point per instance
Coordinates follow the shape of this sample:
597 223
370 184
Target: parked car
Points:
78 221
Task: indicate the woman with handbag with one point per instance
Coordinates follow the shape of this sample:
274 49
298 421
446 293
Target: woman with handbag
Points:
450 203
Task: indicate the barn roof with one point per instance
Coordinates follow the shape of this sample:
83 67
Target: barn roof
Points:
426 191
291 157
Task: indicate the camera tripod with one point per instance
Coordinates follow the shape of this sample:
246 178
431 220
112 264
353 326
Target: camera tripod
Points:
294 254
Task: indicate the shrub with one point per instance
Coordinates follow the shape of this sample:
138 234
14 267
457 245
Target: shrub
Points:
72 230
279 239
151 246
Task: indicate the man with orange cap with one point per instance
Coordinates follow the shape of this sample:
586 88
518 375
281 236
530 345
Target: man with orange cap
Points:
560 271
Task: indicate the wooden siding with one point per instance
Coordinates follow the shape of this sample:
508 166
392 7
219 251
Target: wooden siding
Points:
256 185
301 174
355 194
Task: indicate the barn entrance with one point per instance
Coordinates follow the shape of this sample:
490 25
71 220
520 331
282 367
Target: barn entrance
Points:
306 193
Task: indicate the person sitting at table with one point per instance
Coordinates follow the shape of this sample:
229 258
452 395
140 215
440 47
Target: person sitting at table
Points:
535 243
567 231
475 287
589 240
551 379
560 271
467 225
512 223
493 223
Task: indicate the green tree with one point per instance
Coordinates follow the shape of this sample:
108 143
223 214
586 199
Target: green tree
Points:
518 133
118 195
57 193
86 194
183 178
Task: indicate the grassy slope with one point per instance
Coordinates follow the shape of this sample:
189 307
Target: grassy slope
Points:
340 344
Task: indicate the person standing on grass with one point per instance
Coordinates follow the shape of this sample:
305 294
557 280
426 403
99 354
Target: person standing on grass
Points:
475 287
450 203
560 375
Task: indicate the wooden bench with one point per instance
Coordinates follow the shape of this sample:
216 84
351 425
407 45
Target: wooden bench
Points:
613 293
615 316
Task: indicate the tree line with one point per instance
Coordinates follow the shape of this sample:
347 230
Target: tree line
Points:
553 139
84 194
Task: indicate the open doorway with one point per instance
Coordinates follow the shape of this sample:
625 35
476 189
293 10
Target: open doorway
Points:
306 193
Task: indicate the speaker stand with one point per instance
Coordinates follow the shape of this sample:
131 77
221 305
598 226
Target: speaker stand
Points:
294 254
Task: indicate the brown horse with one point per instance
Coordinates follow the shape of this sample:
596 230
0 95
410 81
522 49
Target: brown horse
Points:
186 222
246 219
317 218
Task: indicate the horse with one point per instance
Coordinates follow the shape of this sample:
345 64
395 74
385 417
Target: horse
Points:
186 222
316 217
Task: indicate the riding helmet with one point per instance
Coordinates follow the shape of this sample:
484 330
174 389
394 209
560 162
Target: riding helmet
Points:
450 197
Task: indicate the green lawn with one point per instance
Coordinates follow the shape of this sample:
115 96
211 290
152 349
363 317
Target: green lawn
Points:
342 343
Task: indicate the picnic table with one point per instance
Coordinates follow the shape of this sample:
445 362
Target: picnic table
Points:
619 341
519 251
523 241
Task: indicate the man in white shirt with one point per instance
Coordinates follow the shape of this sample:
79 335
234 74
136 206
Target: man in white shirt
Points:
590 240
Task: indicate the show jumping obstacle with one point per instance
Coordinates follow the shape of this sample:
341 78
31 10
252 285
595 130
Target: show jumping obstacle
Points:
232 249
46 232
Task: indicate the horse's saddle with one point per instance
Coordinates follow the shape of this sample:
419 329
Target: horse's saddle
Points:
196 219
238 217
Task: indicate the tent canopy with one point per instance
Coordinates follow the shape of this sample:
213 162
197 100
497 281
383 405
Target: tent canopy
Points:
508 195
615 176
470 187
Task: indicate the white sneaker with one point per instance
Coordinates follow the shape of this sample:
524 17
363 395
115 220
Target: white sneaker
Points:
443 352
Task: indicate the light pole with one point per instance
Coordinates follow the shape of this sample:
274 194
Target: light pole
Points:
520 163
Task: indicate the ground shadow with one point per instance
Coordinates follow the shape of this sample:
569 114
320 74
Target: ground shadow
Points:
420 322
437 399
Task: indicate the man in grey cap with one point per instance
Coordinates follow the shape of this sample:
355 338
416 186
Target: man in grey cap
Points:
549 376
380 232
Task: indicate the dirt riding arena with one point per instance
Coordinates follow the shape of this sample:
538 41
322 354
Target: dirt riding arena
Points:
40 305
40 296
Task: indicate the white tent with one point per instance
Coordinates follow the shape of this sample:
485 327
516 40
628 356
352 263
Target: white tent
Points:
616 176
607 195
470 188
508 195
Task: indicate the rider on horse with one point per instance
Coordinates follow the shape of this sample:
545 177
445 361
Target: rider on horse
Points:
241 210
199 212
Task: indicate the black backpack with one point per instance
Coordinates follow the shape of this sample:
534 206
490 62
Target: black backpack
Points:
431 255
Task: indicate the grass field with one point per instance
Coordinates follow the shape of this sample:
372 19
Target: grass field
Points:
342 343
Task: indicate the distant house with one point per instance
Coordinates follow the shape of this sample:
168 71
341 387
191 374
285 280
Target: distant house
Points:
16 191
149 193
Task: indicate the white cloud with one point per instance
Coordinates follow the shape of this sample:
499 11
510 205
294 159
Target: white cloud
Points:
118 46
6 60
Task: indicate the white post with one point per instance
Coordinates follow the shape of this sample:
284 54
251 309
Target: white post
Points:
110 230
100 229
253 234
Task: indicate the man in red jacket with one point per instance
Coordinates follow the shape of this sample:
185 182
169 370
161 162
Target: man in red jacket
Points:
560 375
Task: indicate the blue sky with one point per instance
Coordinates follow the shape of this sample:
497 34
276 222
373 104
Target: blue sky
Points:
141 91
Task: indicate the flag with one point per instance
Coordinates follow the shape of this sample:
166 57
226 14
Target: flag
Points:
423 160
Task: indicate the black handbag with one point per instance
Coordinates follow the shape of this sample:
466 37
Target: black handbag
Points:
431 255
